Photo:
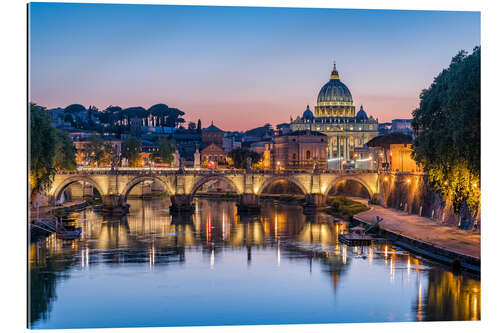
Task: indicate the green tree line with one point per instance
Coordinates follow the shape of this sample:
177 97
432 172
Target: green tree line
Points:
50 150
447 124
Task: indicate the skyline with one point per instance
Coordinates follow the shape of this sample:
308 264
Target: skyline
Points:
241 67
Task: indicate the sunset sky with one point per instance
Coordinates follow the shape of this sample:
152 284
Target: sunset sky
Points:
240 67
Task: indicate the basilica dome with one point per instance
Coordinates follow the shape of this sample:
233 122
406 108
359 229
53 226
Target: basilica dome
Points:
361 115
308 115
334 92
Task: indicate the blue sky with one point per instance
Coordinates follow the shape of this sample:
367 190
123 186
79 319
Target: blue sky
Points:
239 66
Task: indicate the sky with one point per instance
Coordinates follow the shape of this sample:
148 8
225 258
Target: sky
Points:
240 67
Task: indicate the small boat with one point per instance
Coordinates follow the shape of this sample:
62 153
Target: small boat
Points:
38 232
67 232
358 237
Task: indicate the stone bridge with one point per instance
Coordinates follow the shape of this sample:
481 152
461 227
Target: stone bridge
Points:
115 185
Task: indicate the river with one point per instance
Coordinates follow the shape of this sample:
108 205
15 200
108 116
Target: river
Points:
216 267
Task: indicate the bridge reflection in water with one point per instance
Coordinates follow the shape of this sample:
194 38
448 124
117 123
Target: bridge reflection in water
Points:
149 237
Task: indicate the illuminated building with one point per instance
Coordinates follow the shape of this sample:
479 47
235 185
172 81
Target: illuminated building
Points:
401 160
300 150
213 155
335 116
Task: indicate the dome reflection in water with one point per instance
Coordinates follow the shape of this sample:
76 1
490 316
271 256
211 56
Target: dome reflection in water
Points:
217 267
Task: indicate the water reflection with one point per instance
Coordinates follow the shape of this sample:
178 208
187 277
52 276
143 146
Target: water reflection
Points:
150 237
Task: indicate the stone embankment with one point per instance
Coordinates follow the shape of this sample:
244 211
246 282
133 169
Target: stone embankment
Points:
425 236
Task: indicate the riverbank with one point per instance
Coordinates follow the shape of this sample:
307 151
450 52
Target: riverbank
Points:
51 210
446 244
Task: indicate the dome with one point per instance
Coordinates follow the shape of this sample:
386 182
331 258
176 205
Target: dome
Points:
361 115
334 91
307 115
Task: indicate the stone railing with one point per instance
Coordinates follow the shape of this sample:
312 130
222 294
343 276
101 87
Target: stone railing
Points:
205 172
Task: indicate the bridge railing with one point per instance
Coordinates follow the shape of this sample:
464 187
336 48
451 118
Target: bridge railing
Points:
172 171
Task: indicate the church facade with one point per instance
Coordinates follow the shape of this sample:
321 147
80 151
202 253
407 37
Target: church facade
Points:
335 116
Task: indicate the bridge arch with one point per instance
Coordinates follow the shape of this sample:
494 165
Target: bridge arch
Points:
139 179
63 185
358 180
271 180
200 182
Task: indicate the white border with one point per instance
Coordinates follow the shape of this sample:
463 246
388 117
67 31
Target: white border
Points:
13 192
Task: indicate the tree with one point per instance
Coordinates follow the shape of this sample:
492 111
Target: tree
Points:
50 150
131 150
168 117
42 150
64 158
191 126
165 153
69 119
75 108
447 124
99 152
386 140
91 112
239 157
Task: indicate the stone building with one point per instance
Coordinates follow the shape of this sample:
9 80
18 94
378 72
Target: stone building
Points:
212 134
213 156
335 116
402 126
300 150
400 158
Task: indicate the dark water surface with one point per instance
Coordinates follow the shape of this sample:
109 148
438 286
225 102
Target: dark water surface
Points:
217 268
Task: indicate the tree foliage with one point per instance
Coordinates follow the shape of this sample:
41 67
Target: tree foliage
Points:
131 150
42 149
75 108
99 152
447 124
386 140
165 153
239 157
50 150
64 158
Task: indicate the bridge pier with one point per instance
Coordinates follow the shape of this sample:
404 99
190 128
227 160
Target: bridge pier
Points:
378 199
249 202
114 204
181 203
314 201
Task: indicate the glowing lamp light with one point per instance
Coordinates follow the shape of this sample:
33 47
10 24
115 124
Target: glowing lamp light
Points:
408 180
386 178
475 184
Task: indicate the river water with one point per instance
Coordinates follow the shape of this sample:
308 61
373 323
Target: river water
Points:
218 268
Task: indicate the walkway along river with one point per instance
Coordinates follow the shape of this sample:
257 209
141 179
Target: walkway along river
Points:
427 237
216 267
